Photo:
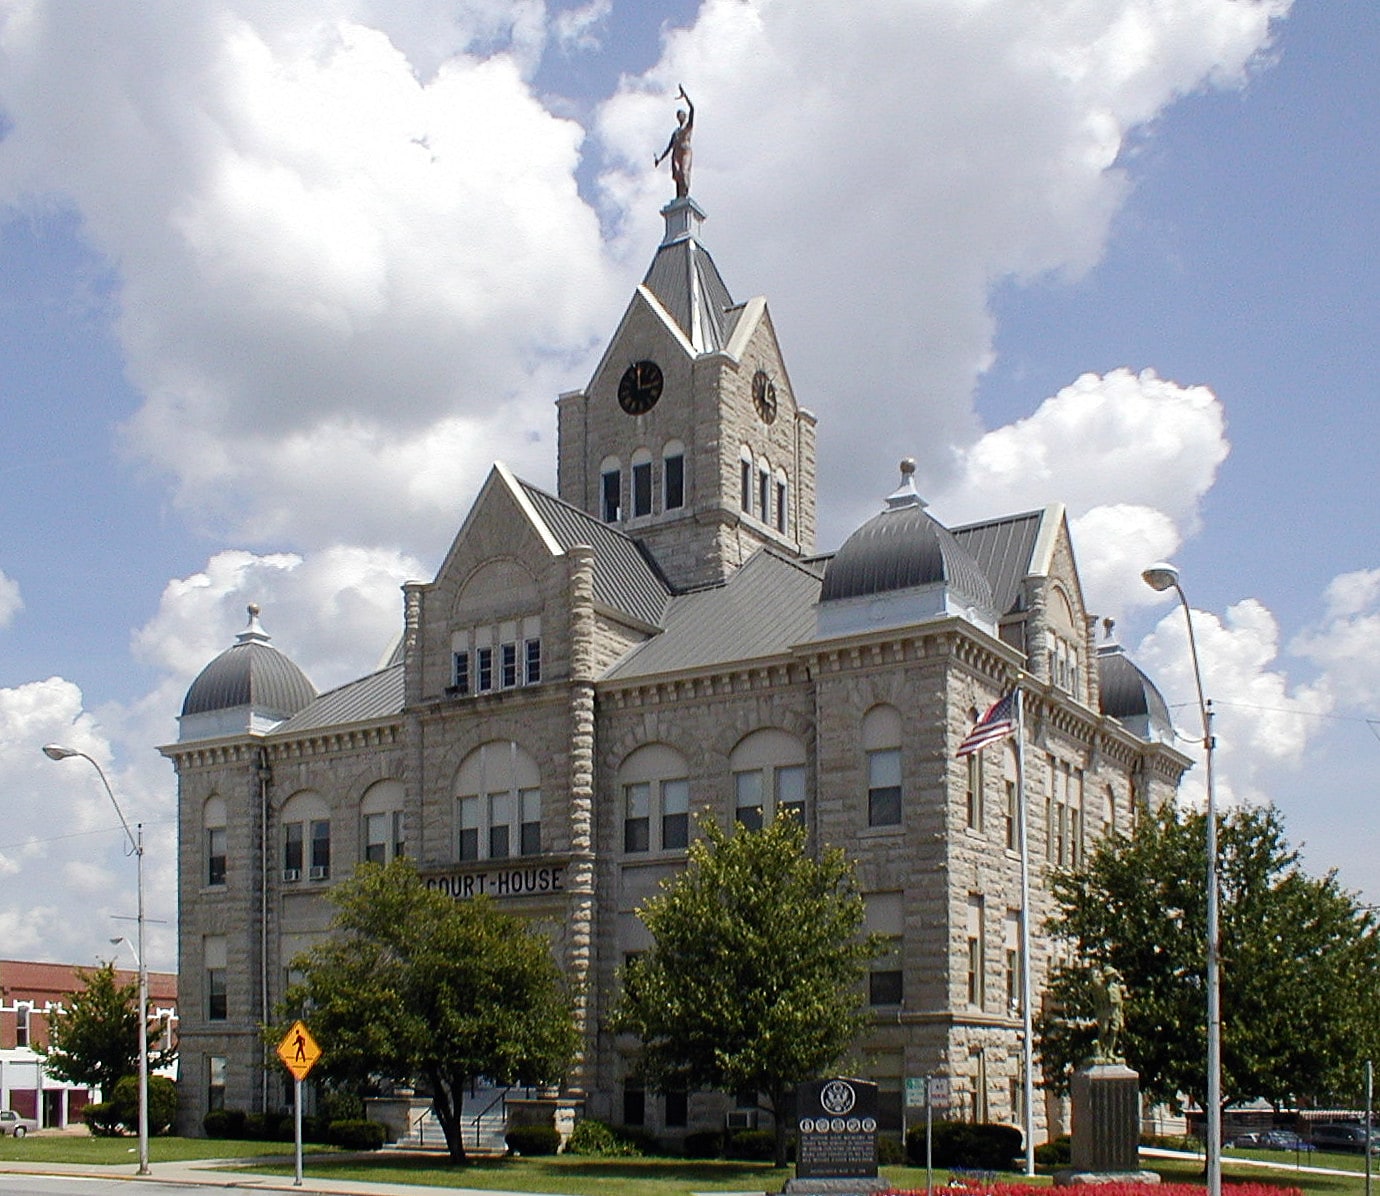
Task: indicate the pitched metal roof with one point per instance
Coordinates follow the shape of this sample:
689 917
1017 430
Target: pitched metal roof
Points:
766 607
625 579
1003 549
379 695
685 280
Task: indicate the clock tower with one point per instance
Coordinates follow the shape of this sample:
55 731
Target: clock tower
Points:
688 437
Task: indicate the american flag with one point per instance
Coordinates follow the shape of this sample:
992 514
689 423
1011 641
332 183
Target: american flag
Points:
997 724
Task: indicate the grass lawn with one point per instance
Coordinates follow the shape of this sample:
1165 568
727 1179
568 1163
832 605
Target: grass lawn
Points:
81 1148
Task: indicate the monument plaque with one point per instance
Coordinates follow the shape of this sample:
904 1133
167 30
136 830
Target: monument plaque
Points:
838 1129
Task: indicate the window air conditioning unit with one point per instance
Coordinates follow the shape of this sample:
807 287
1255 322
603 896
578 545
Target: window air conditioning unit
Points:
742 1119
318 873
292 873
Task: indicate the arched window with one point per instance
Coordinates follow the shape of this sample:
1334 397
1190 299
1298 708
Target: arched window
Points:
306 822
768 768
213 819
498 803
641 483
654 786
672 476
764 489
881 736
745 479
783 491
610 490
381 822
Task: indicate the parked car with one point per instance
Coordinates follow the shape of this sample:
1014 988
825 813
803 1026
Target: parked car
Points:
1248 1140
1345 1137
14 1125
1283 1140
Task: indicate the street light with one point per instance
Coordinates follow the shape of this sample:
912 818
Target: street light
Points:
1164 576
56 751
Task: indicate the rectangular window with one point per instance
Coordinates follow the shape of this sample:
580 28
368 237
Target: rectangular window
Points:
21 1025
321 849
510 673
977 953
1012 936
460 672
782 523
500 824
884 987
634 1106
764 496
292 850
745 477
486 669
884 787
1012 826
975 791
677 1110
217 1003
376 832
215 855
529 831
637 818
610 484
468 847
675 815
748 789
533 671
399 842
790 791
216 1067
674 482
642 488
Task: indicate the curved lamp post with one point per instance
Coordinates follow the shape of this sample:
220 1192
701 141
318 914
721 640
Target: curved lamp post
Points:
1164 576
56 751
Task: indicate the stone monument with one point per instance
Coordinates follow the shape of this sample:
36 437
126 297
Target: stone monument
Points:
1106 1101
837 1148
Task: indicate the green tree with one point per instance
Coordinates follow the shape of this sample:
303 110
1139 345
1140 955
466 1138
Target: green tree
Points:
753 981
94 1039
417 987
1300 962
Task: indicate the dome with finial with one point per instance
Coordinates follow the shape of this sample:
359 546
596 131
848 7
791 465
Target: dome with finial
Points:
1128 695
905 558
251 686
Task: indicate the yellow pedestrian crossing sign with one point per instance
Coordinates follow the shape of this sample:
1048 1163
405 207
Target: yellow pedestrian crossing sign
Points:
299 1051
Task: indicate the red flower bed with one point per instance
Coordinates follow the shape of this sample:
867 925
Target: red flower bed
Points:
1112 1189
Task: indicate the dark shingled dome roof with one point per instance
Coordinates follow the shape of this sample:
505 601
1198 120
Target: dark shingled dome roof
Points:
1130 697
901 548
251 673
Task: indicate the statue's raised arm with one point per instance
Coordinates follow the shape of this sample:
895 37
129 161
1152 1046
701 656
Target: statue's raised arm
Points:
679 147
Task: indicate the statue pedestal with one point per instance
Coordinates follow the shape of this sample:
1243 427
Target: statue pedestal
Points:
1106 1126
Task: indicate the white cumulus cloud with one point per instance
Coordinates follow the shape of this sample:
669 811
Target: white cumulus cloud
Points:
10 601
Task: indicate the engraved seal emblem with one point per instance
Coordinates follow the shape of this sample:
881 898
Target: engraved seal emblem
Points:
837 1097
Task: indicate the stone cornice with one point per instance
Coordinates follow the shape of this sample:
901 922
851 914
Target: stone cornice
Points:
702 684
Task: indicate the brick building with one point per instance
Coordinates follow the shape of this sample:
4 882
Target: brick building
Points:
29 993
589 669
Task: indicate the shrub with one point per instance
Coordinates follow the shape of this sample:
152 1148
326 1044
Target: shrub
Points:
223 1123
982 1147
533 1139
1057 1152
336 1104
594 1138
162 1104
102 1119
752 1145
703 1144
890 1152
354 1133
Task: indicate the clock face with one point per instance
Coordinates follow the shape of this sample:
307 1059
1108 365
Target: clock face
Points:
764 396
640 387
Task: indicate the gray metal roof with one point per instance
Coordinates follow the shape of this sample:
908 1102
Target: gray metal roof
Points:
625 579
379 695
688 284
901 548
1003 549
250 673
1130 697
766 607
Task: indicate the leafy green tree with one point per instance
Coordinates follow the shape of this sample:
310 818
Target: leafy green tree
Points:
753 982
94 1039
1300 962
416 987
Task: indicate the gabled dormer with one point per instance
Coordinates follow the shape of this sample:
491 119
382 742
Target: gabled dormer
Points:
688 436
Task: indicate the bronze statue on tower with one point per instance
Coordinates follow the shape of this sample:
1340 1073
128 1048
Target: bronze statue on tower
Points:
679 147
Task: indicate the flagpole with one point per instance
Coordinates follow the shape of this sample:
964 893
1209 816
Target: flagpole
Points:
1027 1020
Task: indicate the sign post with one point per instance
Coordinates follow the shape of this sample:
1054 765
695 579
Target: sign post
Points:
299 1054
936 1097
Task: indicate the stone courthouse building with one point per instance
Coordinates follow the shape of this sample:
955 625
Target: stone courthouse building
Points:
588 670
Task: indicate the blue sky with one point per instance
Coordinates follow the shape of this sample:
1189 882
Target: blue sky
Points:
278 287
